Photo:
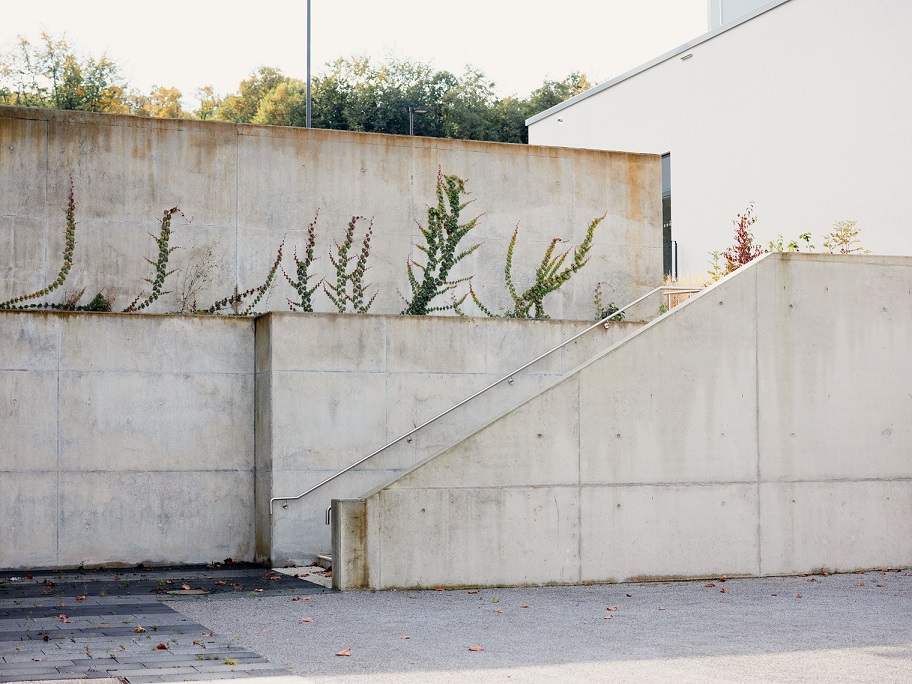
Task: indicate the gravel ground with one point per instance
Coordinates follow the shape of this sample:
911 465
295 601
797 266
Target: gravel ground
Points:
845 628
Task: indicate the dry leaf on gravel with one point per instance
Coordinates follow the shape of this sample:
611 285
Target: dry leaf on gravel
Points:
710 584
345 652
473 591
139 630
475 648
405 637
162 647
612 608
524 605
306 619
185 587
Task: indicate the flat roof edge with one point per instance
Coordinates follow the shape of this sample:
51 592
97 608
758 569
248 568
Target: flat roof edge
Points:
744 18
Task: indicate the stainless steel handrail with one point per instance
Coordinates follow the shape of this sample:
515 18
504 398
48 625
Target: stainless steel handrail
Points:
509 377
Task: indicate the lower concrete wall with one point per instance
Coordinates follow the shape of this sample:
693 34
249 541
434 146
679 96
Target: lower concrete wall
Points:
762 428
125 439
161 439
332 389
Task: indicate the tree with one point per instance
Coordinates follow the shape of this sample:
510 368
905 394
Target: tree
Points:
284 105
209 103
52 74
161 103
552 93
242 106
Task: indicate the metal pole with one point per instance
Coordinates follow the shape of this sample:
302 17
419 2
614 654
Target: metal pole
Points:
411 121
307 113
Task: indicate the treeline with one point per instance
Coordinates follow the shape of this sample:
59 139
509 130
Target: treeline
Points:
354 94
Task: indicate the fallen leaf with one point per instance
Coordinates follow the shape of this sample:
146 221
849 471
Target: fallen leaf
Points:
439 589
306 619
661 607
80 598
723 590
498 610
475 648
258 590
629 595
162 647
797 595
826 573
207 634
185 587
524 605
169 581
859 584
811 579
221 582
46 638
722 579
473 591
405 637
611 608
346 652
139 629
880 585
711 584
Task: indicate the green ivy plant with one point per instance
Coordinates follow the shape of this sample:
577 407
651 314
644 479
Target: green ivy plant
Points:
301 281
235 300
442 237
604 309
550 275
160 265
353 280
68 249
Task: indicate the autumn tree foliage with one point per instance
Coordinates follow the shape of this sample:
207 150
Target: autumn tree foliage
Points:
355 94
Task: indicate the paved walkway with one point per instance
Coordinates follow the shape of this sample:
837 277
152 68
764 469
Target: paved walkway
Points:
70 625
845 628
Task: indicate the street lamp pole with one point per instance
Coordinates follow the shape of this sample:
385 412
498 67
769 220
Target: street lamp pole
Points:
412 112
307 111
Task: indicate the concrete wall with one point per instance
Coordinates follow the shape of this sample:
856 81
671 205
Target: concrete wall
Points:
161 439
761 428
331 389
241 188
125 439
795 110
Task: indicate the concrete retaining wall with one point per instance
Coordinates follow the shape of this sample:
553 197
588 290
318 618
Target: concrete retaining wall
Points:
331 389
125 439
241 188
761 428
161 439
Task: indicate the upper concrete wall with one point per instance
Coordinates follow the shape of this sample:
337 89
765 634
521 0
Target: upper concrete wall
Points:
125 439
243 187
761 428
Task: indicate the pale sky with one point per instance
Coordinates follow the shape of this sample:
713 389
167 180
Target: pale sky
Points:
188 44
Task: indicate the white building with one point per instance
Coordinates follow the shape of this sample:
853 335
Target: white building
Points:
802 106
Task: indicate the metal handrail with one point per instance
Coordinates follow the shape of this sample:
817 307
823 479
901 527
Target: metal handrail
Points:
509 377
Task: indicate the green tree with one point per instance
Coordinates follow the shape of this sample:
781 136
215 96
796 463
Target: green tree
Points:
284 105
243 105
52 74
552 93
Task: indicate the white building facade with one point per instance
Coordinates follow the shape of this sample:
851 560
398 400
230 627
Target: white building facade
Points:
800 106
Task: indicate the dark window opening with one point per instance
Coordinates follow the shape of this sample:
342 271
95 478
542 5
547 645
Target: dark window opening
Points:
667 247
